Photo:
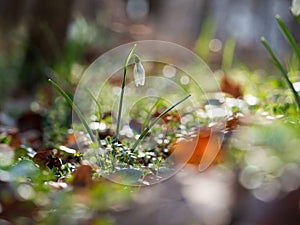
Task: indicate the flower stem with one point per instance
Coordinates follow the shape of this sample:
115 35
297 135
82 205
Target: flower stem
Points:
99 112
122 90
75 108
143 134
282 70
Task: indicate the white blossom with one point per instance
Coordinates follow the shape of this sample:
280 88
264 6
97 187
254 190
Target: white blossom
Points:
295 7
138 72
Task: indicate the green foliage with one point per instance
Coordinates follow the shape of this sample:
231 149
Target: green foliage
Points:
228 54
56 123
277 62
143 134
75 108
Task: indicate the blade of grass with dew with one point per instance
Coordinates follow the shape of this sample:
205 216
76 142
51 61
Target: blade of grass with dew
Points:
282 70
143 134
288 36
122 90
75 108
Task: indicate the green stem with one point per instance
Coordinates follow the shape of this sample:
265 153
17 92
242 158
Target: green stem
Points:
297 18
122 90
281 69
75 108
228 54
147 120
99 113
288 36
143 134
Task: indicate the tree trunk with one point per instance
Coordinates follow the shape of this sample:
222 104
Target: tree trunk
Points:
47 32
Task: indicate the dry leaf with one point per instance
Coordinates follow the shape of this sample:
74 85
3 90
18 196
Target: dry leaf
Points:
230 87
82 177
202 143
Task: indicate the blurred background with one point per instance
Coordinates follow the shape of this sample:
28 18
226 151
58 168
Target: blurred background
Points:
50 38
260 182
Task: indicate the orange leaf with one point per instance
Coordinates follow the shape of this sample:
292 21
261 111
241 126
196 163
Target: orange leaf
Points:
82 177
230 87
204 144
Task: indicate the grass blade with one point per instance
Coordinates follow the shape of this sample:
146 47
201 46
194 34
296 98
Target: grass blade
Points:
288 36
281 69
228 54
99 112
143 134
122 90
148 117
75 108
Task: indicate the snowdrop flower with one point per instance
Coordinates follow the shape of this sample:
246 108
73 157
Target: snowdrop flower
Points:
295 7
138 72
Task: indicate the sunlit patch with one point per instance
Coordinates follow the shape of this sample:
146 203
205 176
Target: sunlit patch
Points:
35 106
268 191
209 194
216 112
251 100
295 7
102 126
290 179
6 155
236 103
127 131
26 191
169 71
67 150
270 117
184 80
215 45
94 125
116 90
4 175
251 177
296 86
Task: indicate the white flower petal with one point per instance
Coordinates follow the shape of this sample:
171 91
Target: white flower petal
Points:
295 7
139 74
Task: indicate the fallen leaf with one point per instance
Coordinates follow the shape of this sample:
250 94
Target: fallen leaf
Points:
193 150
230 87
82 177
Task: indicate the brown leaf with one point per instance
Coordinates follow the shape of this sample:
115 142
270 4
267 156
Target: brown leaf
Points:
204 142
13 133
30 121
230 87
47 159
82 177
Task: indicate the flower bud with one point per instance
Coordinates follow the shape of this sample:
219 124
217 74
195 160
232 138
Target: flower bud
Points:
138 72
296 7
